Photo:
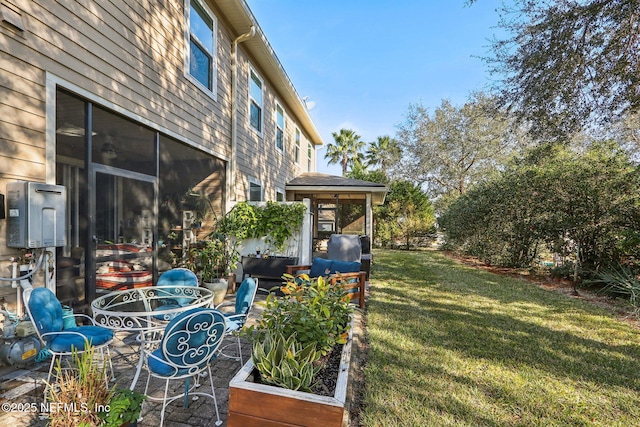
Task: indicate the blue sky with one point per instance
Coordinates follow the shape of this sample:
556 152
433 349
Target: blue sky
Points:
363 62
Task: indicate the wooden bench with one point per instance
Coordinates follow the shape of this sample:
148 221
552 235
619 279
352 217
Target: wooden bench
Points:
354 283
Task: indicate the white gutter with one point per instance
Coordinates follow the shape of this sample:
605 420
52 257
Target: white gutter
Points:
231 171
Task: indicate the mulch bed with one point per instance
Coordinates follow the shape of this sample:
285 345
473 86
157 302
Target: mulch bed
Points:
327 377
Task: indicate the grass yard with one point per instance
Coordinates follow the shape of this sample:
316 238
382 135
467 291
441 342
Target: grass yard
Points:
450 345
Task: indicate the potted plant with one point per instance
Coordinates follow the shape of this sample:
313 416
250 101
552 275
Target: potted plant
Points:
212 262
276 387
215 258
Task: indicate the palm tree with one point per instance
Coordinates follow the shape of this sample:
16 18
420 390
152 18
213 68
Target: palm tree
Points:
384 152
346 149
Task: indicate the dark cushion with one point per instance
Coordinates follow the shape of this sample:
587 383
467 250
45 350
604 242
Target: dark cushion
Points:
320 267
344 267
344 247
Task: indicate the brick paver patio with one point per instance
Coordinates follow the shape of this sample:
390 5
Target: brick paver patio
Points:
21 390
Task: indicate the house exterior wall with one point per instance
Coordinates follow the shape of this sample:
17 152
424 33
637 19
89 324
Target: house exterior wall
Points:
128 56
257 154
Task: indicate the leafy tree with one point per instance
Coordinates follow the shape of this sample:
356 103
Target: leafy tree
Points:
406 214
383 152
627 131
566 65
453 147
346 150
359 172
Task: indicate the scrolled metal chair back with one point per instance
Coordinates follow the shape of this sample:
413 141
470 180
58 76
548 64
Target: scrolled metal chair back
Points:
192 339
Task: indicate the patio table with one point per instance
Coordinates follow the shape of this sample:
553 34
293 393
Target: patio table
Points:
145 310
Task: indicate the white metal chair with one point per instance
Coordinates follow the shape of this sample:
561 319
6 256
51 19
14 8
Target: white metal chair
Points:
189 343
45 311
245 296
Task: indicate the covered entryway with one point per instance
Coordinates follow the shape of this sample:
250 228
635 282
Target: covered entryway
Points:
340 205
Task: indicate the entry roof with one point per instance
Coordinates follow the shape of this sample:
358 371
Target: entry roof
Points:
321 183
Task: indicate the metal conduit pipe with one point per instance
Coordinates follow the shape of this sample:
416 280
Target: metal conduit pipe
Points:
231 170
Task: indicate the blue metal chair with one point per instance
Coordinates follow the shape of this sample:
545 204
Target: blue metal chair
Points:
245 296
189 343
45 311
175 277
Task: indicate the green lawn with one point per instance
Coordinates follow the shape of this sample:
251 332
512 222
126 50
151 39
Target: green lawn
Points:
454 346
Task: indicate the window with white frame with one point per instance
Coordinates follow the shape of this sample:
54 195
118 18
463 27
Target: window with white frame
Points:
279 195
255 191
309 152
296 148
279 127
201 63
255 101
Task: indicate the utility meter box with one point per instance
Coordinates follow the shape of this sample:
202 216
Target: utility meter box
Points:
35 215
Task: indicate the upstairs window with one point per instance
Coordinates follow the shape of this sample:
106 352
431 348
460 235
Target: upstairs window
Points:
279 127
309 152
255 101
296 152
202 43
255 191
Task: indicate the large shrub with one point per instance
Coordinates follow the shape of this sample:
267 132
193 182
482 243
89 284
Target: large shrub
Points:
586 202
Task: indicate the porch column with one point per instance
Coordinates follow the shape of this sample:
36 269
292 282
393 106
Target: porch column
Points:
306 235
368 218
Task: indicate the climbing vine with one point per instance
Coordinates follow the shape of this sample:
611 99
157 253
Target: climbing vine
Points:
276 222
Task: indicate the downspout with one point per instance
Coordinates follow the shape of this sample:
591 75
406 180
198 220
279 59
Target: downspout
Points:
231 172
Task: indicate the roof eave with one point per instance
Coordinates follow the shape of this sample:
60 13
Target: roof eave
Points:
240 17
377 193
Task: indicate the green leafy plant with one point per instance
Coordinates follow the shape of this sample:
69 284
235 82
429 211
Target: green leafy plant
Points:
275 222
124 407
621 282
278 222
285 362
211 259
313 309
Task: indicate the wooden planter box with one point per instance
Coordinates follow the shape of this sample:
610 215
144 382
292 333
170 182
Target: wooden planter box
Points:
252 404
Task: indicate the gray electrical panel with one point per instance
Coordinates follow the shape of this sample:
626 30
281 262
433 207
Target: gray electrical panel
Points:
35 215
